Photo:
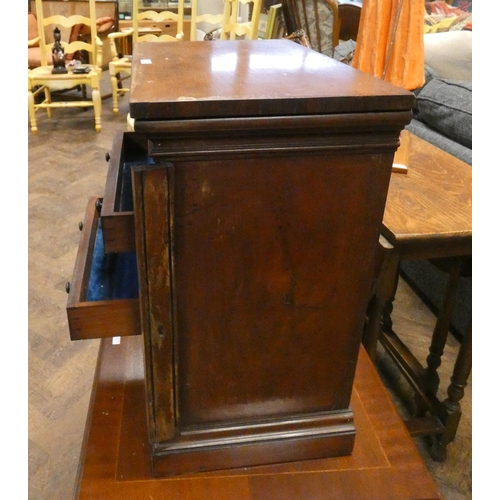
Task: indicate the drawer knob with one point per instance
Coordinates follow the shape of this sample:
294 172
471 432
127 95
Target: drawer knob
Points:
98 205
68 286
107 157
80 225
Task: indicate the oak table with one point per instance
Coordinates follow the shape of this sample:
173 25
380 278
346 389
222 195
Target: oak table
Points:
115 460
428 215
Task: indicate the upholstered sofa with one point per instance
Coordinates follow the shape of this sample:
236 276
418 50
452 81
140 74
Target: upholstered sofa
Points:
443 113
443 117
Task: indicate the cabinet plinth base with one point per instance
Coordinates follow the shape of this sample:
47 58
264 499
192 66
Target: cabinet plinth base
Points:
304 438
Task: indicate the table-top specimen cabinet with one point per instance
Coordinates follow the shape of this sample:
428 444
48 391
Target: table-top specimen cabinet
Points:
249 200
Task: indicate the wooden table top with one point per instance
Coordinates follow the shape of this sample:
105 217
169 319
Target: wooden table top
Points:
429 209
385 464
251 78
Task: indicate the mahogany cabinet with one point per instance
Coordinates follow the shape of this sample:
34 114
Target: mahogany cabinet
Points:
249 200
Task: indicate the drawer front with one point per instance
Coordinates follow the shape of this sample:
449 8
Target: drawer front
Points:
117 217
103 294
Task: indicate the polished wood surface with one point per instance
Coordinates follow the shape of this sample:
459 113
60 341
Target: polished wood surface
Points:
120 66
428 215
251 78
429 210
115 460
256 228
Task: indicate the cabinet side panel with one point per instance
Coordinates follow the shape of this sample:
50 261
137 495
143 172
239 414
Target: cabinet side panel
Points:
273 263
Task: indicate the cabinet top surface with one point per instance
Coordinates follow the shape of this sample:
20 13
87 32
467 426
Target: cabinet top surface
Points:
251 78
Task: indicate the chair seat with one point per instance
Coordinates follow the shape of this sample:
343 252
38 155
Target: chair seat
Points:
43 76
124 62
44 71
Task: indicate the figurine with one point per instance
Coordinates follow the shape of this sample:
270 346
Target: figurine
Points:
58 58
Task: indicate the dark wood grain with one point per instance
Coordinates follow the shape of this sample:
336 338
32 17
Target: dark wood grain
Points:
115 462
153 221
256 245
117 217
251 78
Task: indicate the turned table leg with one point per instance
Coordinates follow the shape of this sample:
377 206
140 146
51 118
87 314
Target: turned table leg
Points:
430 379
451 404
424 379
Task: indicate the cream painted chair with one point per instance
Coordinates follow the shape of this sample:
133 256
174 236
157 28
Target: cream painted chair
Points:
121 65
232 22
235 24
41 80
204 23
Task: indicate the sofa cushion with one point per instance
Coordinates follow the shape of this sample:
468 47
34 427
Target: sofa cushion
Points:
446 106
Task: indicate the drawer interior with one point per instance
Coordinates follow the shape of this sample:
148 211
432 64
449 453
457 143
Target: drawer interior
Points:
112 275
117 210
103 296
133 153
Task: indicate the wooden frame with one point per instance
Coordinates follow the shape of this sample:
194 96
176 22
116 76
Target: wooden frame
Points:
86 319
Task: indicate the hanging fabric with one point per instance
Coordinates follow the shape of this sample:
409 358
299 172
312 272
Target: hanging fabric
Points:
390 42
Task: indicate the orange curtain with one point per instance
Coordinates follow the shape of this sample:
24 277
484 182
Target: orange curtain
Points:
390 42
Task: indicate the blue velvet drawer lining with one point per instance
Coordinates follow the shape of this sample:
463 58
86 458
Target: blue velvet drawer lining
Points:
126 201
113 275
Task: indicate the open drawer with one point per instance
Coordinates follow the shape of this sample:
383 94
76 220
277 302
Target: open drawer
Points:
117 211
103 294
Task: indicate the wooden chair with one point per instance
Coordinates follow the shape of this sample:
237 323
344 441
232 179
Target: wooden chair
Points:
318 18
233 24
121 65
349 14
42 80
203 24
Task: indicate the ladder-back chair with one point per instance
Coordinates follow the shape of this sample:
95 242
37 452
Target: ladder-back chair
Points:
152 30
318 18
234 25
237 19
203 23
41 80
